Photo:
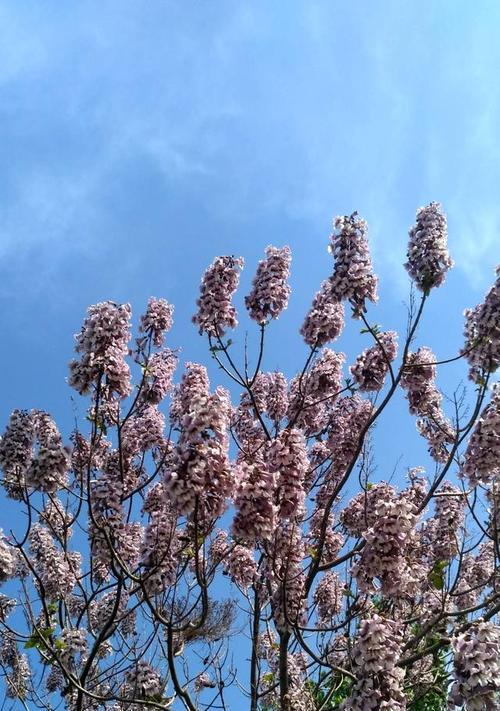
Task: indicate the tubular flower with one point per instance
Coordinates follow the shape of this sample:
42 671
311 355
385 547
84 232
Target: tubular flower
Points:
16 451
55 568
142 431
482 333
215 310
103 345
246 425
372 365
440 533
353 278
270 289
313 396
142 681
325 319
157 320
348 420
387 543
439 433
287 577
200 474
49 466
477 668
277 396
287 457
240 566
379 682
254 519
18 667
158 374
418 377
160 546
328 598
194 386
360 514
57 519
428 258
8 559
332 541
481 460
475 575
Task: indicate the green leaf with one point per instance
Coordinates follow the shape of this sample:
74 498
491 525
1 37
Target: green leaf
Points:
436 576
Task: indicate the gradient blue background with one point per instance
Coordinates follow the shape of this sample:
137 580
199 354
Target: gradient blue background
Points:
141 139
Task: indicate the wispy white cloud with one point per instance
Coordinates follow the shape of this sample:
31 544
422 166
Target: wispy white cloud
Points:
307 112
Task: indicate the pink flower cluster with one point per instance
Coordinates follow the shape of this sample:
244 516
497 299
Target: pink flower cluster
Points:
379 682
312 396
477 668
157 320
441 532
276 396
238 560
215 310
8 559
353 278
56 569
348 420
287 457
16 452
328 598
373 364
32 454
15 667
200 476
103 345
270 288
428 258
286 575
482 456
418 379
325 319
157 377
387 543
160 545
255 517
476 573
482 333
142 681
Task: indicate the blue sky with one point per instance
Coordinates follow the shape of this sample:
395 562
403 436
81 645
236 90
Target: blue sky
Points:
141 139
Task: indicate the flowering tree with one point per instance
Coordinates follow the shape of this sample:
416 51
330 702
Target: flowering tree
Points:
347 593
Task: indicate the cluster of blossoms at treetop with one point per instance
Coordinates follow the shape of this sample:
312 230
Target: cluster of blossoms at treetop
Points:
195 543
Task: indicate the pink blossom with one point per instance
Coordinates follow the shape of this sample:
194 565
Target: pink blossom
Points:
270 289
379 682
312 396
158 374
8 559
481 459
482 333
157 320
55 569
372 365
287 457
215 310
476 667
328 598
103 345
254 519
428 258
353 278
325 319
